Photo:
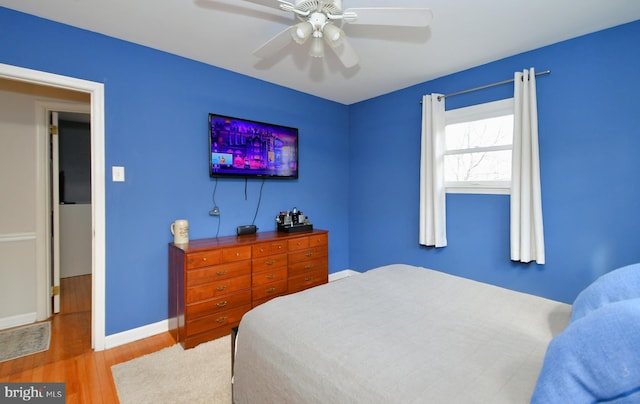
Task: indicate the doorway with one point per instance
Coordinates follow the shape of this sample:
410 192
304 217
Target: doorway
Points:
74 192
95 92
70 173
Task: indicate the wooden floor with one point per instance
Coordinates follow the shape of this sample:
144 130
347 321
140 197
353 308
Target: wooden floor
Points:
70 359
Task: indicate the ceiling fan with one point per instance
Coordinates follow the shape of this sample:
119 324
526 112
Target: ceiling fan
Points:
321 21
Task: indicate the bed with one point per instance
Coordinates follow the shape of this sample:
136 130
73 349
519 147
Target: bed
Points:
405 334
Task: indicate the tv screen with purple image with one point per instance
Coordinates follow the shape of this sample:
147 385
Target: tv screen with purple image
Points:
245 148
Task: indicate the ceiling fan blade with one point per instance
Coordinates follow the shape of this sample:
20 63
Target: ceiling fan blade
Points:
395 16
274 44
267 3
346 53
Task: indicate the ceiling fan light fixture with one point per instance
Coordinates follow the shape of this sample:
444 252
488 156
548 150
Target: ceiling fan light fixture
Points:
301 32
318 19
333 35
317 48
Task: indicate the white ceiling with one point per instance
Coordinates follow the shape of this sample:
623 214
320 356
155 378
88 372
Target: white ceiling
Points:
224 33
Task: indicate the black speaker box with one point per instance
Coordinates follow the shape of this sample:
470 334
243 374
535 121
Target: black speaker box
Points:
249 229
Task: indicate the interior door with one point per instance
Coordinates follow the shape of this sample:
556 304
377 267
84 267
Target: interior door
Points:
55 213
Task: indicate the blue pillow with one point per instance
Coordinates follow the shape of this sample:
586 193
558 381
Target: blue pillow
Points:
620 284
596 359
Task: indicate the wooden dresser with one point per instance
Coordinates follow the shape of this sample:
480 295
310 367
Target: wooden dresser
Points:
213 282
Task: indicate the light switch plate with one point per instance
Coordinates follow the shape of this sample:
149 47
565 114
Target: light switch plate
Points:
117 173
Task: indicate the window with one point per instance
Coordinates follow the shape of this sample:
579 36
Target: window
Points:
478 143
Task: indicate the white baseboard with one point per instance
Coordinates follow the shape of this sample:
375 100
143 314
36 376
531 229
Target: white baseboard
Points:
111 341
342 274
121 338
14 321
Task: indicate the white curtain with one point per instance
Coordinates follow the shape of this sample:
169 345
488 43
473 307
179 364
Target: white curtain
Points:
527 239
432 191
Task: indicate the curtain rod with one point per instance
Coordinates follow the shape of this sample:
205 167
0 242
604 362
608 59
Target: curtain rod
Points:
499 83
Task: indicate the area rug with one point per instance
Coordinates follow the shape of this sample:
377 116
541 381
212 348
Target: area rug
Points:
175 375
23 341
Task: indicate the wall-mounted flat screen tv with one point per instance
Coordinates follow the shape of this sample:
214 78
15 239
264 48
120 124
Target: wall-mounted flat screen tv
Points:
245 148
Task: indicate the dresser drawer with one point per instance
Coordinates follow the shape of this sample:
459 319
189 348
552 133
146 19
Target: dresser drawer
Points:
216 320
266 249
265 277
269 289
311 279
319 240
203 259
305 267
298 244
224 287
236 254
301 243
216 273
269 263
308 254
218 304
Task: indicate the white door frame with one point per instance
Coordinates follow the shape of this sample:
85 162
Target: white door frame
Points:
96 91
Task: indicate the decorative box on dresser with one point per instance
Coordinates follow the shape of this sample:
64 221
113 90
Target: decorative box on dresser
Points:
214 281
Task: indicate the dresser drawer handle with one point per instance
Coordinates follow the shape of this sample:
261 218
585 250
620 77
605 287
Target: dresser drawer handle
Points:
221 319
308 278
222 304
270 262
262 250
221 288
237 254
220 273
270 276
309 254
279 247
271 290
308 266
204 259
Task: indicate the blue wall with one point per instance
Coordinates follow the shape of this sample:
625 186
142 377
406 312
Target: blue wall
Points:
589 115
156 107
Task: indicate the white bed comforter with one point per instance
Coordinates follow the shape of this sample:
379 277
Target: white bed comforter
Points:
396 334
